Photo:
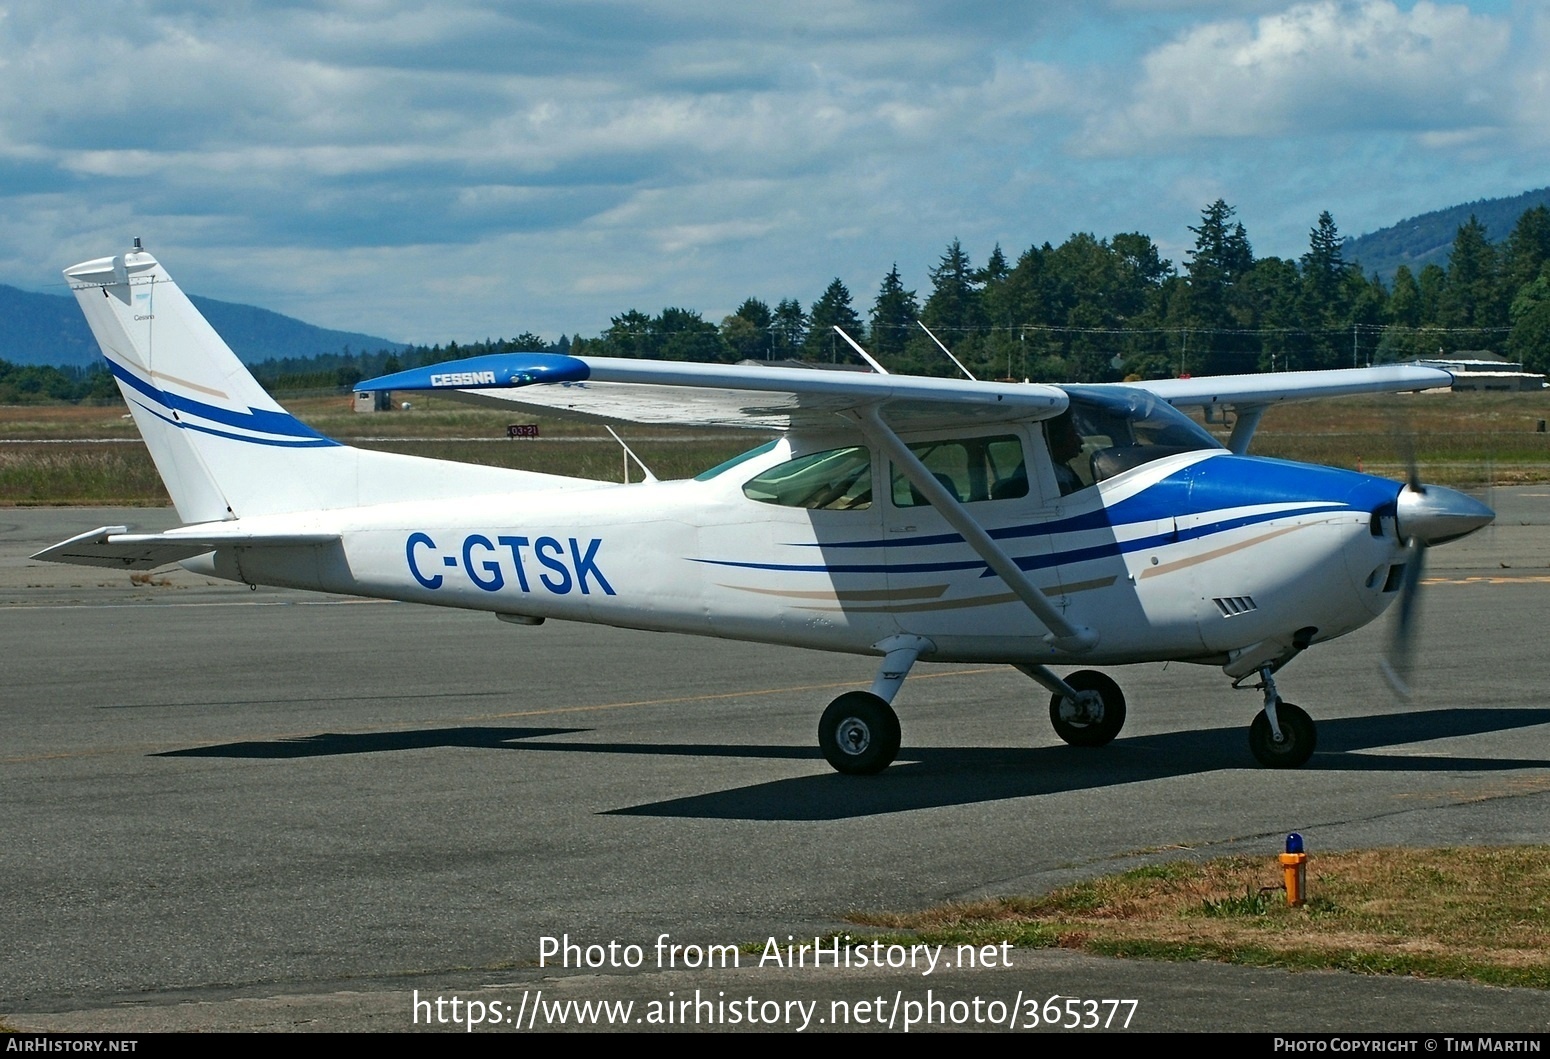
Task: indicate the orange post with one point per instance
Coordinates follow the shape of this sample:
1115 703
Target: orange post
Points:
1294 871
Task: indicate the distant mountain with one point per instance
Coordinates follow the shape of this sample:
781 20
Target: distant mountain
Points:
1427 239
49 329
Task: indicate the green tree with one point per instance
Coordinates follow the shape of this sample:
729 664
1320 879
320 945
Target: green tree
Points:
1405 299
995 271
527 342
1326 296
1273 294
893 316
1529 341
1221 258
831 310
1526 251
631 334
789 326
1015 306
1472 298
684 335
747 331
953 307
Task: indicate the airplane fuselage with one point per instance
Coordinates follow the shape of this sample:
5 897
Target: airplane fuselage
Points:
1191 557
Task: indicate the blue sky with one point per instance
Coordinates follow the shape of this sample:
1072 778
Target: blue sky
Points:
435 171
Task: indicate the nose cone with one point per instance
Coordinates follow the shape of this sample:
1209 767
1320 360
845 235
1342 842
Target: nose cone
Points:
1435 515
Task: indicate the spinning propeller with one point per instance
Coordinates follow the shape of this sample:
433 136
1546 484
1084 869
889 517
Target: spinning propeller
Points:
1424 515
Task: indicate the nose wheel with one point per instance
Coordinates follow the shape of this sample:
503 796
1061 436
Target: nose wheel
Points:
859 734
1298 737
1282 736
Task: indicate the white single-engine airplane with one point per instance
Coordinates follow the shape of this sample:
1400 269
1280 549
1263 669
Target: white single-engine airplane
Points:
901 517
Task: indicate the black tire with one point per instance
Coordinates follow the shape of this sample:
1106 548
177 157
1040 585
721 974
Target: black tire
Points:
859 734
1101 730
1300 737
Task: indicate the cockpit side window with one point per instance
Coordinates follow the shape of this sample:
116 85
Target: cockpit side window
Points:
971 469
1068 450
1105 432
832 480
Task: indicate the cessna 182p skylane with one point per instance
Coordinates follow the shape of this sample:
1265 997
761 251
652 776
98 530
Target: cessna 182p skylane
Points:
902 517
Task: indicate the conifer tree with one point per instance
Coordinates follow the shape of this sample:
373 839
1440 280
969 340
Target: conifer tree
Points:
893 317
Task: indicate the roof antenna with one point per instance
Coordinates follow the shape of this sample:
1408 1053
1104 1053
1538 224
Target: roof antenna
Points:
949 353
630 455
857 347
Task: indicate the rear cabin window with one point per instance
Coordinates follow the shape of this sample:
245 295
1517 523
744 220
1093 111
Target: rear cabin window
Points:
971 469
833 480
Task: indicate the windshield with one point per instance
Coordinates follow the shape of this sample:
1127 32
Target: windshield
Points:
1107 431
740 458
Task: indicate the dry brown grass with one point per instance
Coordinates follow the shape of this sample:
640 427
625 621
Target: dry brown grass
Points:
1474 913
1463 438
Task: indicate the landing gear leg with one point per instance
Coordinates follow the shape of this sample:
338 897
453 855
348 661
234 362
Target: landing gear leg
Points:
1085 709
1282 736
859 732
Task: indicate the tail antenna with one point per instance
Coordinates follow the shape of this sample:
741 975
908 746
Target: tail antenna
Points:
949 352
871 361
630 455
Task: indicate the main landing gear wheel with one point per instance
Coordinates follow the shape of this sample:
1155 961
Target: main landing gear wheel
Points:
1097 715
859 734
1298 738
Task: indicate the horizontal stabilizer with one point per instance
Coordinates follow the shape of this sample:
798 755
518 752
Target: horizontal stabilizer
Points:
116 547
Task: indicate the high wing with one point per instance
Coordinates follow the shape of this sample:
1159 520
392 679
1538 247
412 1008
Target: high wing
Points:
115 546
1247 396
732 395
771 398
1263 389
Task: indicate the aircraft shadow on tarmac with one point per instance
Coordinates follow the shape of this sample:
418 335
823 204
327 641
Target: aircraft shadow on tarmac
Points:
331 744
929 777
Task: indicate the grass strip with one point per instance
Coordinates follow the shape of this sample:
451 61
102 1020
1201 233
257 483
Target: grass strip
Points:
1479 914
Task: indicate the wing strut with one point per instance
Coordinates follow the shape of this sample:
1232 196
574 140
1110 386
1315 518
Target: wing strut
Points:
1063 636
1244 424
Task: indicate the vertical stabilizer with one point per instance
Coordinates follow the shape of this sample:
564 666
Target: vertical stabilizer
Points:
223 446
189 394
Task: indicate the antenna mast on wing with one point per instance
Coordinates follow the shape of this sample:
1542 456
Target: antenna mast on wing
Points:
857 347
630 455
949 353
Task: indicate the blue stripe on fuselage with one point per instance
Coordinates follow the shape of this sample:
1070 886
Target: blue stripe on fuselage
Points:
1219 484
1215 484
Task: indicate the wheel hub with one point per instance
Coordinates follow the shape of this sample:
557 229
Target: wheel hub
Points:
1087 708
854 735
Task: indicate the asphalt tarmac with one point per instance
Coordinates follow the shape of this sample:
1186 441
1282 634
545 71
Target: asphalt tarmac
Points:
227 809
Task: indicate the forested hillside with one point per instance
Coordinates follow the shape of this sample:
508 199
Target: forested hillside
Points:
49 329
1095 309
1427 239
1091 309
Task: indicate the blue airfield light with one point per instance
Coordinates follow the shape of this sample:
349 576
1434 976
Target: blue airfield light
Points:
1294 843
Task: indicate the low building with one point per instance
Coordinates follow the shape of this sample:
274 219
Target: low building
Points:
1484 370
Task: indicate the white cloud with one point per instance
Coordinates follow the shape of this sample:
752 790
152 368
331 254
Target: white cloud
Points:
1315 69
431 171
